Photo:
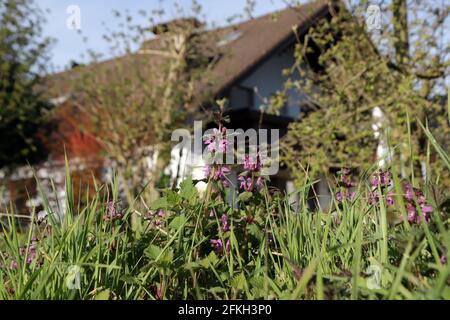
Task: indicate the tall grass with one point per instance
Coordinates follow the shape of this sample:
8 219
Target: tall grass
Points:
354 250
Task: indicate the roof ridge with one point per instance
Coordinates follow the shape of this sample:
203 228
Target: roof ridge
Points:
316 4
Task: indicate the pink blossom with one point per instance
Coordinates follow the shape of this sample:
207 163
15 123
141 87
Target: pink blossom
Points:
390 199
409 195
223 145
220 172
246 183
411 212
373 198
381 178
260 182
345 195
207 170
224 222
227 245
225 183
111 212
250 165
218 245
14 265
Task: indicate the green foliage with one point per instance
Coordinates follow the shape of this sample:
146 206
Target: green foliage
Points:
22 60
133 102
356 250
347 72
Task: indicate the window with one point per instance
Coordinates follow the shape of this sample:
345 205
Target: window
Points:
240 98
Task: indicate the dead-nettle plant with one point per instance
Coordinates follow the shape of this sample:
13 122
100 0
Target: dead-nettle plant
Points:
366 89
136 99
381 239
229 146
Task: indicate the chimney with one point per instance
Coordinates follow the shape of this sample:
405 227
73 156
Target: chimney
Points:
177 24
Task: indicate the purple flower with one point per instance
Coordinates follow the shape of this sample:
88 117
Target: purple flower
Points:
212 147
373 198
217 141
345 195
420 197
31 255
426 208
351 195
375 181
390 199
443 259
223 145
220 172
161 213
409 193
410 196
14 265
385 178
260 182
216 244
346 181
411 212
111 212
224 222
207 170
246 183
381 178
227 245
250 165
150 213
156 217
225 183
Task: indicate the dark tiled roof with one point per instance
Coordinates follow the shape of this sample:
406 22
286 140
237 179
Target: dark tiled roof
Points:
242 47
259 37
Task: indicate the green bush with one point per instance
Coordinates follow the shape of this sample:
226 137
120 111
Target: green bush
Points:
382 238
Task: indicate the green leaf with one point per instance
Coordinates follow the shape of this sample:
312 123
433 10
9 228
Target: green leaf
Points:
177 222
129 279
217 290
255 231
210 260
191 265
187 190
160 203
173 199
102 295
239 281
152 252
245 196
166 258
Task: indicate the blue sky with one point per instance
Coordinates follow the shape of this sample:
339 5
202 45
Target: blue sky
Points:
70 46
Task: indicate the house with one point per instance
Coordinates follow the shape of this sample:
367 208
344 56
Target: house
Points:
248 71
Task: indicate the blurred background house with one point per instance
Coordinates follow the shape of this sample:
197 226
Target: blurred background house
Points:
247 62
